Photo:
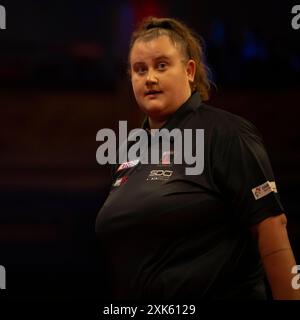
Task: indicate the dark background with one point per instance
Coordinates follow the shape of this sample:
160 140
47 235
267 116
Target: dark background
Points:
63 78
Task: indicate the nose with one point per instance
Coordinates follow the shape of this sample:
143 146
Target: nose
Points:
151 78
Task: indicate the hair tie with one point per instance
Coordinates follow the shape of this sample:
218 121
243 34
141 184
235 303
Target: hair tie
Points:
159 24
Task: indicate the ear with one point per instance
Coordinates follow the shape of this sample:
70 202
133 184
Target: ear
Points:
191 70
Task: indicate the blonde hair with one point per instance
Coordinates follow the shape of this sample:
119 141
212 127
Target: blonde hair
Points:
152 27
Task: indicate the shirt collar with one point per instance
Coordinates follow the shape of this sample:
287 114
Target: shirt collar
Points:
174 120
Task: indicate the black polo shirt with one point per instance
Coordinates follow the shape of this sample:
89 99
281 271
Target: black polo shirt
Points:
169 235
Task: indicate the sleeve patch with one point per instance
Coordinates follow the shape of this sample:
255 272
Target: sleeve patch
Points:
264 189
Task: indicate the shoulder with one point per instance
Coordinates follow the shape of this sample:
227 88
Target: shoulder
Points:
224 123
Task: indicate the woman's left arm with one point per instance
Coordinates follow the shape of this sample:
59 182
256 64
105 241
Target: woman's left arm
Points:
277 256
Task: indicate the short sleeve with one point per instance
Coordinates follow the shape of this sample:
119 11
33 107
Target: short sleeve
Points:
243 173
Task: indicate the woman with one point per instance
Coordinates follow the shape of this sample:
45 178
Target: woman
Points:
208 236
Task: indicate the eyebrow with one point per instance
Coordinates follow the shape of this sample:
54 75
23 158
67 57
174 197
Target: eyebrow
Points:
162 57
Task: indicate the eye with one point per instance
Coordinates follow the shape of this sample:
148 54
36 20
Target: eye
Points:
161 65
140 69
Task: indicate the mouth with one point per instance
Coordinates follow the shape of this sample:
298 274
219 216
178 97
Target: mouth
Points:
152 92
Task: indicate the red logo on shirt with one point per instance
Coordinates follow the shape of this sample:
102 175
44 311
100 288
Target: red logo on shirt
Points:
166 157
120 181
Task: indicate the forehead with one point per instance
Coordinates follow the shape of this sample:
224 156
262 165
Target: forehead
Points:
154 48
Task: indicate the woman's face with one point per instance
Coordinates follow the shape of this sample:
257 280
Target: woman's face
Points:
160 77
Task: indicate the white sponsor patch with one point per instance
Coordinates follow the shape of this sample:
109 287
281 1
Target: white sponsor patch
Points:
128 164
264 189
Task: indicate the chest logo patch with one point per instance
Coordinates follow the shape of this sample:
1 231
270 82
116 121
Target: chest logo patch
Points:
161 175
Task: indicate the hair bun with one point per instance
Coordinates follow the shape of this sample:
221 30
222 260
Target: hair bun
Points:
158 24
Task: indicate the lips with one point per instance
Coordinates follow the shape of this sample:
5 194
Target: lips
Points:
152 92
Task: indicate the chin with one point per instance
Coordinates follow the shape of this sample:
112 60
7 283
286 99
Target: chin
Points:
152 106
153 111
